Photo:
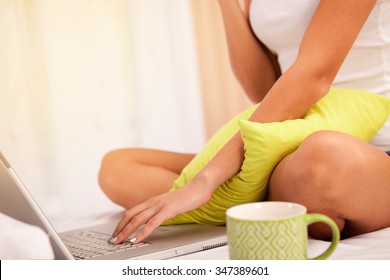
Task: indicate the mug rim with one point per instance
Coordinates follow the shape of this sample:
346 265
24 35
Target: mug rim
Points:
301 210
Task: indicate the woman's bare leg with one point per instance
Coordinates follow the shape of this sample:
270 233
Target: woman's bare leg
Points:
340 176
131 176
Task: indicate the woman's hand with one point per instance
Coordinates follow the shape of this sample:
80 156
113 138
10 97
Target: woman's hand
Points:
195 194
158 209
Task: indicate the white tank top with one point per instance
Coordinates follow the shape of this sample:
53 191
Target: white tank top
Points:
280 25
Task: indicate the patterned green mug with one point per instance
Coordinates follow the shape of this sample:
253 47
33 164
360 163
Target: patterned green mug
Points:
273 231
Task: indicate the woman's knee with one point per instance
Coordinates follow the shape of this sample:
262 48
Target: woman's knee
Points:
111 169
317 175
130 176
322 162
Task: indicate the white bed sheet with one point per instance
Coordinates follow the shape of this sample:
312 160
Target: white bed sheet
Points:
370 246
23 241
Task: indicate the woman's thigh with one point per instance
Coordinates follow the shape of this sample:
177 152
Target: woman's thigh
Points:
131 176
340 176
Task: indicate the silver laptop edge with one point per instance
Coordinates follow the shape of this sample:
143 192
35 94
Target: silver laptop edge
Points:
36 215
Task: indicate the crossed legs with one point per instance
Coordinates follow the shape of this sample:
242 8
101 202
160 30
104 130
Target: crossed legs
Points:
330 173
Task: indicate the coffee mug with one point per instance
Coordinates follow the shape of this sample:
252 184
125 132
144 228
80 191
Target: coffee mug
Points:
273 231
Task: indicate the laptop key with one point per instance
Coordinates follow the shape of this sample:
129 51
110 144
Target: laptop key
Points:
89 244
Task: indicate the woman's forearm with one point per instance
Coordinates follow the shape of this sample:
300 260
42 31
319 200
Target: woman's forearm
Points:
226 163
288 99
250 61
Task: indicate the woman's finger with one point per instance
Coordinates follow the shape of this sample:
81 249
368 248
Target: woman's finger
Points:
153 213
128 217
154 222
137 221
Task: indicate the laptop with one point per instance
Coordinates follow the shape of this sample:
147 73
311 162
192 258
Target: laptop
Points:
92 242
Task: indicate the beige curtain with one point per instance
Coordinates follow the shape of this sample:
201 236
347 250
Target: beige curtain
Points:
222 95
81 77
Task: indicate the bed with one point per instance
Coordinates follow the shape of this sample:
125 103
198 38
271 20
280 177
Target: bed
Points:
370 246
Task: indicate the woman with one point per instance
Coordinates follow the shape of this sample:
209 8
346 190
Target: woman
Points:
286 54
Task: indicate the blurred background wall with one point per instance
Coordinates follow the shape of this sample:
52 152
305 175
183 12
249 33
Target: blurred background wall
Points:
81 77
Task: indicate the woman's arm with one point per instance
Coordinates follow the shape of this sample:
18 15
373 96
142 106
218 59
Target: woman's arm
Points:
330 35
253 64
327 41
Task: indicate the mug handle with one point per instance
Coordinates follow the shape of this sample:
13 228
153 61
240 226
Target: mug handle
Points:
315 218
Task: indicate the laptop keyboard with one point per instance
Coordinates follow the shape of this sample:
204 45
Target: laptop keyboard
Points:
90 244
